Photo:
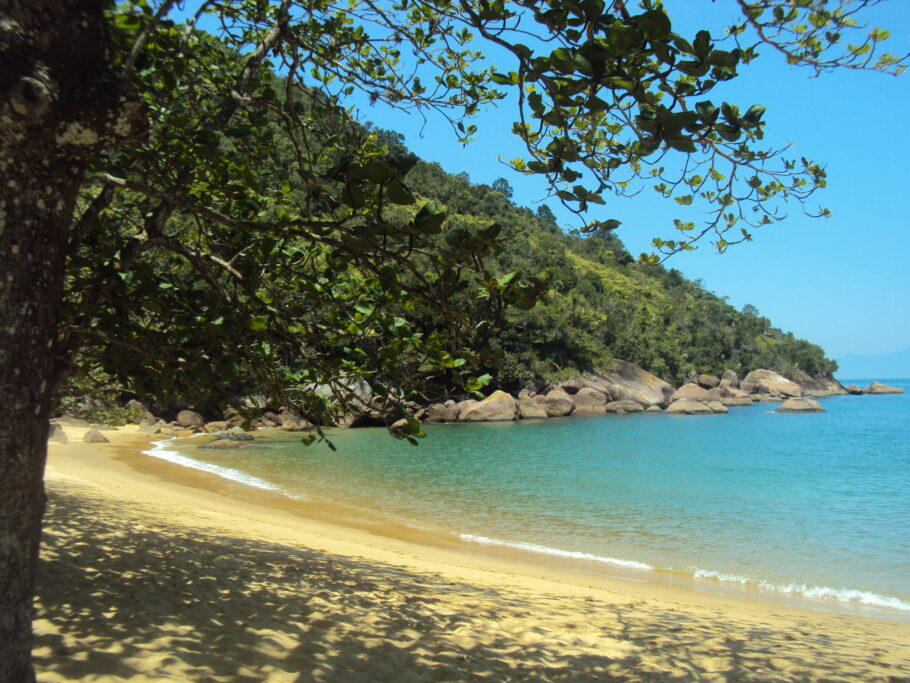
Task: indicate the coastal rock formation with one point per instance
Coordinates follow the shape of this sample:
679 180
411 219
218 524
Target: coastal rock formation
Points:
707 381
627 381
558 403
693 392
95 436
223 445
879 388
689 408
150 429
853 389
497 407
626 406
589 401
215 427
716 407
770 382
463 406
234 436
729 379
767 398
730 392
800 405
55 433
819 385
529 409
439 412
70 421
731 401
654 409
572 386
189 419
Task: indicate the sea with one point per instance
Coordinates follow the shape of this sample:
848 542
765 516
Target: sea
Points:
808 509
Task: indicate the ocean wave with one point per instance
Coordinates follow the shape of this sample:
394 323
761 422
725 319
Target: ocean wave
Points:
161 451
545 550
847 595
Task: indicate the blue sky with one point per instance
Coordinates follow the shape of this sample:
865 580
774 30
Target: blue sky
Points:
841 282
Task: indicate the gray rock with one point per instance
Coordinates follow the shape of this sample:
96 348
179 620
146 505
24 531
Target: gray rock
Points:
234 436
689 408
559 403
572 386
214 427
708 381
439 412
529 409
150 429
589 401
70 421
770 382
853 389
717 407
693 392
497 407
654 409
626 406
800 405
94 436
624 380
462 406
767 398
223 445
877 388
189 419
736 401
55 433
729 379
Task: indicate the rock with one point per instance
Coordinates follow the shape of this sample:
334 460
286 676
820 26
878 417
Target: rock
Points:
559 403
497 407
70 421
188 418
731 401
748 387
624 380
818 385
573 386
94 436
105 428
877 388
707 381
463 406
139 412
691 376
533 388
223 445
729 379
298 425
529 409
234 436
56 434
689 408
853 389
626 406
717 407
800 405
439 412
693 392
770 382
150 429
654 409
767 398
730 392
213 427
589 401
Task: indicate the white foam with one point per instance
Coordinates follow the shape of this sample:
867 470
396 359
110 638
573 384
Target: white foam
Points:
573 554
848 595
161 451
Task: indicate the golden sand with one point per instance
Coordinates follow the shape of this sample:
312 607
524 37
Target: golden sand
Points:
154 572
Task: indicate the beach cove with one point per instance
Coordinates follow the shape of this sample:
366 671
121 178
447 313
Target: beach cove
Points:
151 572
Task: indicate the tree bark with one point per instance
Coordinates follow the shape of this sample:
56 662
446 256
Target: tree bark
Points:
57 109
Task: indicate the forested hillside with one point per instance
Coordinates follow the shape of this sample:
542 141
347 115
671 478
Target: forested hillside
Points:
601 302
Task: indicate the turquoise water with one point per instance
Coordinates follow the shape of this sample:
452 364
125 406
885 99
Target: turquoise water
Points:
813 505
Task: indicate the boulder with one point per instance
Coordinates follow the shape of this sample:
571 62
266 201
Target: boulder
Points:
717 407
767 398
853 389
748 387
497 407
818 385
529 409
654 409
149 429
533 388
139 412
689 408
800 405
214 427
624 380
559 403
189 419
589 401
223 445
234 436
462 406
730 392
626 406
693 392
296 424
439 412
729 379
94 436
105 428
878 388
707 381
70 421
55 433
572 386
736 401
770 382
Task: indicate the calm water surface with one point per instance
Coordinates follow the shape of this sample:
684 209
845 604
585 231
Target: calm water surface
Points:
813 505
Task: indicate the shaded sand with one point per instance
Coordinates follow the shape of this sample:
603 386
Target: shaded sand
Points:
147 580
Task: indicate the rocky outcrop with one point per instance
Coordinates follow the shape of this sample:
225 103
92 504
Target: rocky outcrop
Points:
559 403
497 407
463 406
654 409
56 434
689 408
572 386
190 419
707 381
529 409
439 412
70 421
819 385
627 381
626 406
716 407
804 404
95 436
769 382
877 388
589 401
693 392
731 401
223 445
853 389
729 379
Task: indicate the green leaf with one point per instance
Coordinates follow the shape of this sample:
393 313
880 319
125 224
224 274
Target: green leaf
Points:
258 323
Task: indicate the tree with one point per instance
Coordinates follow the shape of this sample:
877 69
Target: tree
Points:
131 142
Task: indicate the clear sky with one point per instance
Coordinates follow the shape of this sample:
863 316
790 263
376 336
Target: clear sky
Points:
842 282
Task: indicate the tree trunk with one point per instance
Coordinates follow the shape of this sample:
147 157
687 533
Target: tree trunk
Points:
56 111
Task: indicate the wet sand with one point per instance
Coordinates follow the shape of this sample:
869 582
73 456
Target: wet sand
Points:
151 571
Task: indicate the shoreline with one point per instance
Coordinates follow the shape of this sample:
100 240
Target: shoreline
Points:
533 600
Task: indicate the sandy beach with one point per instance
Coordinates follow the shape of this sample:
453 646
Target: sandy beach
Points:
153 572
